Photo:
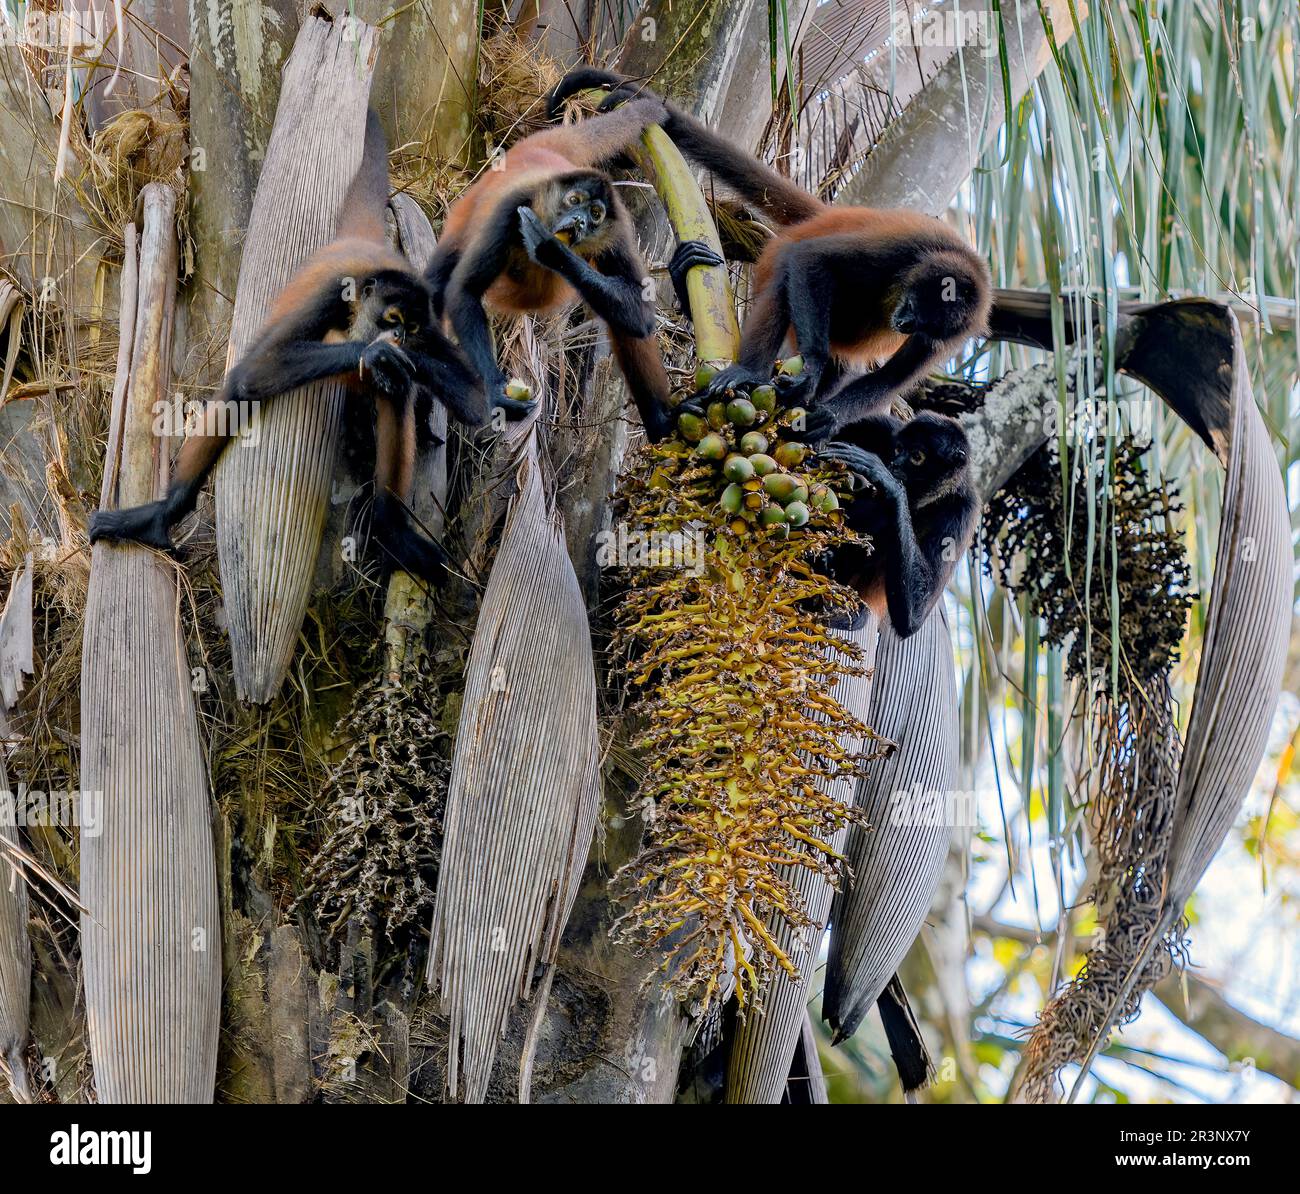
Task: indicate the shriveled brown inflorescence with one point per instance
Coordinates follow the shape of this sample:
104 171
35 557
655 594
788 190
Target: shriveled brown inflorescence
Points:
725 629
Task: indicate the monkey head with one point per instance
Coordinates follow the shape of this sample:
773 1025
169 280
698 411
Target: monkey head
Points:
579 209
944 296
394 304
931 455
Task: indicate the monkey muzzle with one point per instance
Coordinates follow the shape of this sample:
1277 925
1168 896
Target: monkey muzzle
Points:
571 227
904 320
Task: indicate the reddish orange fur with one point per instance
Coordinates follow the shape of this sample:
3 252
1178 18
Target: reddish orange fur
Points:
872 225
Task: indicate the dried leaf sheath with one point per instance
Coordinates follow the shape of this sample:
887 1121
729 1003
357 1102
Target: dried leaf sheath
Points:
272 497
764 1045
897 859
15 948
525 786
151 932
1191 353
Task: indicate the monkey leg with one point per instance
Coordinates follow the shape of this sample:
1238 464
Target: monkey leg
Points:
391 526
151 523
647 381
687 256
445 375
271 367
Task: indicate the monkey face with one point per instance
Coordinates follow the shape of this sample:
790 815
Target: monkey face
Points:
930 452
940 298
393 305
583 209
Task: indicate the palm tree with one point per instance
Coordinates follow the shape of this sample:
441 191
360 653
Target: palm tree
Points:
295 768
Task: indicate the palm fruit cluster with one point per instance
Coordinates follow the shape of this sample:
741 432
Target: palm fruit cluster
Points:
733 670
1034 517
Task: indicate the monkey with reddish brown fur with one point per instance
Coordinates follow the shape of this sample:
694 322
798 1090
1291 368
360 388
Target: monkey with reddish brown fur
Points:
543 227
893 292
357 311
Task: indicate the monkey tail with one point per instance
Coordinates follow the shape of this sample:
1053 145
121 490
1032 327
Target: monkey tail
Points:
776 196
915 1069
362 213
779 198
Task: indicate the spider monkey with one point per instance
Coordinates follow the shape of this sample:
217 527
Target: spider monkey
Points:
920 517
895 292
546 224
355 310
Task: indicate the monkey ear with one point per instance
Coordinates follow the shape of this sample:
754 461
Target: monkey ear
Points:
367 288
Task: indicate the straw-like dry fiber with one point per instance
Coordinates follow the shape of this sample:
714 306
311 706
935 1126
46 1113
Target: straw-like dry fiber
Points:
525 786
898 855
150 932
764 1044
272 494
15 948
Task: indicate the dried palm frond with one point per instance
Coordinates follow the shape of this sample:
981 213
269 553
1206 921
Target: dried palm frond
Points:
272 496
151 933
1159 819
15 948
898 853
525 783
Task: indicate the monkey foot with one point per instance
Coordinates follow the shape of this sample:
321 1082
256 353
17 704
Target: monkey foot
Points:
687 256
407 549
140 524
733 377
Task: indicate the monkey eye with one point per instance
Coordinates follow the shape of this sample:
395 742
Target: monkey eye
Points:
392 315
573 198
917 458
597 212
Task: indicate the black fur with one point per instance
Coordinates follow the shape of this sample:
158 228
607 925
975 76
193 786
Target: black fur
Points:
906 1045
919 517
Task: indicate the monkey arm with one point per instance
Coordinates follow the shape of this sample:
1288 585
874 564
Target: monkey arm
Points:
279 366
469 280
941 533
874 390
874 434
602 137
451 381
914 570
438 273
647 381
616 291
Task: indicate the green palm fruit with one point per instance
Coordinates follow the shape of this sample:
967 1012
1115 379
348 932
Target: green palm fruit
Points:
741 412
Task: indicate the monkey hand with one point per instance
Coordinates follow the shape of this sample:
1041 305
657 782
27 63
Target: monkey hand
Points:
866 469
798 388
541 245
387 367
514 409
820 423
687 256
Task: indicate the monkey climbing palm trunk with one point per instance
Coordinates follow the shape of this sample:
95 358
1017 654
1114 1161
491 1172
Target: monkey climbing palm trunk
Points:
273 493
